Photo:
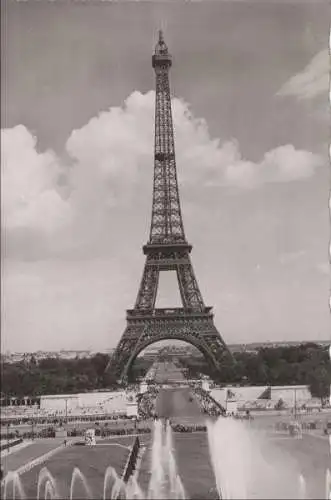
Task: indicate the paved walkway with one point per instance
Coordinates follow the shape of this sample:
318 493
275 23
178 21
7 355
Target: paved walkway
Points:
178 404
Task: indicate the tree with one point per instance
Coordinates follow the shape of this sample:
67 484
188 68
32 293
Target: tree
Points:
280 405
319 382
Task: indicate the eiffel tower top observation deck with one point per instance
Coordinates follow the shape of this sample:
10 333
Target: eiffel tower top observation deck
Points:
167 229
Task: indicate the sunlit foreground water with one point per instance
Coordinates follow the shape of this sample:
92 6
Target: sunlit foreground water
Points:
243 465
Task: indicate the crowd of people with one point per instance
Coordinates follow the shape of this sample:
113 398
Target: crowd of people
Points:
208 405
147 402
305 426
112 408
56 418
50 432
188 428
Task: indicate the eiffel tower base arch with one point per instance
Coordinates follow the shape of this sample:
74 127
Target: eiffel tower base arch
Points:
166 324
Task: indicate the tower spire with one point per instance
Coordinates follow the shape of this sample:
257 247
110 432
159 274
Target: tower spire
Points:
161 47
166 224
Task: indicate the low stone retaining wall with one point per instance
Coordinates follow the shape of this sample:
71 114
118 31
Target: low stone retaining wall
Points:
306 426
99 432
10 444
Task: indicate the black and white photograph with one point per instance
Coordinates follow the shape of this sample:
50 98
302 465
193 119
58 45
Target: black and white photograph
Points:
165 249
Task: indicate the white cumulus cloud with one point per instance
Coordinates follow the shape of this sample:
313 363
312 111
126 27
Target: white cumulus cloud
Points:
117 146
112 158
29 193
312 81
111 150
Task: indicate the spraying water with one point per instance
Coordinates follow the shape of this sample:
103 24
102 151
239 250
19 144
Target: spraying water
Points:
157 470
231 469
165 481
49 492
174 486
46 480
109 481
328 485
79 478
251 466
13 479
302 487
133 489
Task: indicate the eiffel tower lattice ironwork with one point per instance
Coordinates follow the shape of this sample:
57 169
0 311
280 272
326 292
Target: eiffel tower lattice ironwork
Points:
166 250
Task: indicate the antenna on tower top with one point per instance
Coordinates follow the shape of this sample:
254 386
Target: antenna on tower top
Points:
161 48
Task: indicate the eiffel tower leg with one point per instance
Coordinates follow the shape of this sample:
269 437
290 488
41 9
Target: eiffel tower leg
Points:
118 365
148 287
216 347
188 285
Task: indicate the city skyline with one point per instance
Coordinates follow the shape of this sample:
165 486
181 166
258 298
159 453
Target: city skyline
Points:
251 142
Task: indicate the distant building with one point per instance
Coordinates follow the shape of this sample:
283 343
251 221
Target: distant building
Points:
150 352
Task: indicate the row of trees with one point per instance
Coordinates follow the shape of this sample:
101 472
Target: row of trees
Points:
307 364
61 376
53 376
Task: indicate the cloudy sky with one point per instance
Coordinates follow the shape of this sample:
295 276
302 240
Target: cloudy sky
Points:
250 107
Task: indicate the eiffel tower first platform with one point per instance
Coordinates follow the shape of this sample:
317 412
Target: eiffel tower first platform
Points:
166 250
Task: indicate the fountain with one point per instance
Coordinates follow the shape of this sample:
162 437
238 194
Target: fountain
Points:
133 489
46 479
231 470
110 480
252 467
157 470
248 469
328 478
165 481
13 479
302 487
79 478
328 485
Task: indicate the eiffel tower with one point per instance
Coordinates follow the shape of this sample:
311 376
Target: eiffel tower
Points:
166 250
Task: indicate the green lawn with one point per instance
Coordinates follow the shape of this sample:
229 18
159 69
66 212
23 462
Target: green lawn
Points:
17 459
92 461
